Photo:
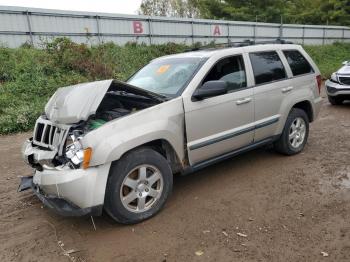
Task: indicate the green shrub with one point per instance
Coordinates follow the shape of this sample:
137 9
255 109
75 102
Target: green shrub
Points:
329 58
28 76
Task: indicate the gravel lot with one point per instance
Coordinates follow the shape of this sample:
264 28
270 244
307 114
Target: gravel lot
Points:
259 206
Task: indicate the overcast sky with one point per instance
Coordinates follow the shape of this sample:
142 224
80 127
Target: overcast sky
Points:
108 6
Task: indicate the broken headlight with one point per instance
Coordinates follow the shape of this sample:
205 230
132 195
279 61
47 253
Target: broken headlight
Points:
74 151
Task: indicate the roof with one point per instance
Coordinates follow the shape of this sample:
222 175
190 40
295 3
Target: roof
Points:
224 49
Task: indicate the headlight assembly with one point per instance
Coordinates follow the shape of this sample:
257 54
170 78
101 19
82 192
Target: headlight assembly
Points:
77 154
334 78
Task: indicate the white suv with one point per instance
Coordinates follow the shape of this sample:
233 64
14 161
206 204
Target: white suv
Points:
116 145
338 86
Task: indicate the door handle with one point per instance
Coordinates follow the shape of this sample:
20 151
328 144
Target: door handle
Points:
287 89
243 101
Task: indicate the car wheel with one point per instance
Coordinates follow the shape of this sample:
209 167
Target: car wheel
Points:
138 186
295 133
335 100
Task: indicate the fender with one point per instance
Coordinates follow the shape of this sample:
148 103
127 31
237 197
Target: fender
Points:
164 121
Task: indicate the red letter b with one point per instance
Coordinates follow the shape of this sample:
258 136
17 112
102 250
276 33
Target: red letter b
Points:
138 29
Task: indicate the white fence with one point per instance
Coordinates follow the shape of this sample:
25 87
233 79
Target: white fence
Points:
20 25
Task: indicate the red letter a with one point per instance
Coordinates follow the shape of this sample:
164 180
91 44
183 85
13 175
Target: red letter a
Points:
217 30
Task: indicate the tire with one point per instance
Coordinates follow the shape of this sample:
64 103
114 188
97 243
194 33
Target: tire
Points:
335 100
288 143
144 178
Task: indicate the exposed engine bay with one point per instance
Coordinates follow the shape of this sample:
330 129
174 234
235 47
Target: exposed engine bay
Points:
61 141
117 104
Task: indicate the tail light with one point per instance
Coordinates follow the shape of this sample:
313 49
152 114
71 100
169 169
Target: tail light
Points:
319 83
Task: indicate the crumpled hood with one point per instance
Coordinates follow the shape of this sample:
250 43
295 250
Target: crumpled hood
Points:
345 70
74 103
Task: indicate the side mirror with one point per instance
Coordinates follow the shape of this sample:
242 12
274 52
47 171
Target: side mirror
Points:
346 62
210 89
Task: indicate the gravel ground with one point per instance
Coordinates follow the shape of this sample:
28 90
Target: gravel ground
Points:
259 206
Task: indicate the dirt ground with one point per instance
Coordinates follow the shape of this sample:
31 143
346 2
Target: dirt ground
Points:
259 206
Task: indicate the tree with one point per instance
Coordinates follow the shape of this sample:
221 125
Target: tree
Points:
155 7
336 12
173 8
333 12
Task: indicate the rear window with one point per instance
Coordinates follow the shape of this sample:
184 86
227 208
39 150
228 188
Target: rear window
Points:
297 62
267 67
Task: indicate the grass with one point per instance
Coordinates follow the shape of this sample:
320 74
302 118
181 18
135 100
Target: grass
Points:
329 58
28 77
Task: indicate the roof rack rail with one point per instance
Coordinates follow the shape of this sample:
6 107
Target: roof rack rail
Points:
239 44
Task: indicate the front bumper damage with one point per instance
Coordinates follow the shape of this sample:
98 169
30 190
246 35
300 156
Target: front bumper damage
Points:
58 205
66 191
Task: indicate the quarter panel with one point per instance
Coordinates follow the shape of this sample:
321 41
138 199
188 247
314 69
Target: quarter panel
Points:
302 92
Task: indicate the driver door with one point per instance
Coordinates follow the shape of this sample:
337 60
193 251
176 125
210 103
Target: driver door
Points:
223 123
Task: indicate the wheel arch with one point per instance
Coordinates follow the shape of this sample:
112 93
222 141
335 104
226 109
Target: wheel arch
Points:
163 147
306 106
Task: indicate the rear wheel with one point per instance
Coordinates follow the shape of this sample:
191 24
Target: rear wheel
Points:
295 133
138 186
335 100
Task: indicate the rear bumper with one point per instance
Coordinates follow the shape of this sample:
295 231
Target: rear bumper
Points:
334 89
57 204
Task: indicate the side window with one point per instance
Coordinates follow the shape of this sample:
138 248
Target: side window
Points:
231 70
297 62
267 67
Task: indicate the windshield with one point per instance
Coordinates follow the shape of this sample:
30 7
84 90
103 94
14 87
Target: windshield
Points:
166 76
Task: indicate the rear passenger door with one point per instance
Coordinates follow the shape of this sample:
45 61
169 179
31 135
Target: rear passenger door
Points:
271 86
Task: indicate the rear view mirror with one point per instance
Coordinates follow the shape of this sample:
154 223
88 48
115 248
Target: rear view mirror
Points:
210 89
346 62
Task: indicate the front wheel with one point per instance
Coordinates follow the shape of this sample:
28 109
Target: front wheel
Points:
295 133
138 186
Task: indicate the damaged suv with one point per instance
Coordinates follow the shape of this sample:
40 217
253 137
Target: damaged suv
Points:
115 146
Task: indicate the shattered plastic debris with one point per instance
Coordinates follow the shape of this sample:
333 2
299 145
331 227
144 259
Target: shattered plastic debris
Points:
199 253
242 235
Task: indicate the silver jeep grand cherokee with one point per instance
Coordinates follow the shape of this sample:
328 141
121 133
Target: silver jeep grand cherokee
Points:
115 146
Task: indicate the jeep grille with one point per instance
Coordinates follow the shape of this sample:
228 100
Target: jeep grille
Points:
49 135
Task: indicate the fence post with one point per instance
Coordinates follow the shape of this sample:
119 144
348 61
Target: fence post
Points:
324 36
343 36
228 33
29 28
150 30
303 37
192 31
281 28
254 27
98 29
254 32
